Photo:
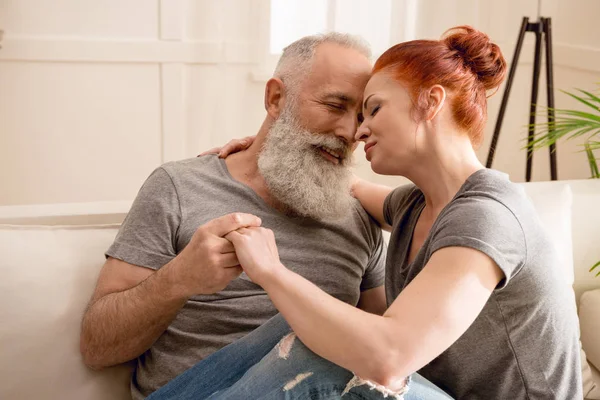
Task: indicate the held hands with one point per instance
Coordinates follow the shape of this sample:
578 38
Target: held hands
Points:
233 146
257 253
209 262
254 247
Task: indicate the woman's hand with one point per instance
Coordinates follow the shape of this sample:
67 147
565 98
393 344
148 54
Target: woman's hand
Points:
256 252
354 182
233 146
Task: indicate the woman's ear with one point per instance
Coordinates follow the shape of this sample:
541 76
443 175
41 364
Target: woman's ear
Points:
435 101
274 97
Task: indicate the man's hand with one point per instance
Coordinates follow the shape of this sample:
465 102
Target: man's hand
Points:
209 262
257 252
233 146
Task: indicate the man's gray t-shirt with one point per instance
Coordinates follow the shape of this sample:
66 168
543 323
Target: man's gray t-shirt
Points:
342 257
524 343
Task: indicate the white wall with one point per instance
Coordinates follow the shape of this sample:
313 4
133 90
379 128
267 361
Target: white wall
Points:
94 95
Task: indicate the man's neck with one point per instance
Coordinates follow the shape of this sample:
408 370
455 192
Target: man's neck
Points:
243 167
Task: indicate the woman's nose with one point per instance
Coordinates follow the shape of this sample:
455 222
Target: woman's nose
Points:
362 133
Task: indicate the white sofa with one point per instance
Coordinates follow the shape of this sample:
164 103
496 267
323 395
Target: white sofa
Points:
51 257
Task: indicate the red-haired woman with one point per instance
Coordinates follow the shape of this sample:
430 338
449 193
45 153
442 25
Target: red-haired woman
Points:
476 304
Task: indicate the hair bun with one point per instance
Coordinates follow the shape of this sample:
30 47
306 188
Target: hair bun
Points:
479 54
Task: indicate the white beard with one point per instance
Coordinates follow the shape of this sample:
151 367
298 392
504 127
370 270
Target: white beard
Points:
299 177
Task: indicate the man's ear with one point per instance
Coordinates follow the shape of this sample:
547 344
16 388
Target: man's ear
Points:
435 101
274 97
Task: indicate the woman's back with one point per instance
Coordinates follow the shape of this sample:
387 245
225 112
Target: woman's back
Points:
524 343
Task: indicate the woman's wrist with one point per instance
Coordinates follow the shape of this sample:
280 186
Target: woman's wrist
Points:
276 278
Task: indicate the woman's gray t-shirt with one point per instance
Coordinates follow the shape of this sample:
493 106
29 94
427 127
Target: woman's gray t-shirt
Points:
524 343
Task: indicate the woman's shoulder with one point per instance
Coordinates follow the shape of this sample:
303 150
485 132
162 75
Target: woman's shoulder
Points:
487 205
399 200
404 192
485 215
495 185
487 198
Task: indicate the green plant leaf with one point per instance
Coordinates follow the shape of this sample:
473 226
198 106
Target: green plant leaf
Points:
569 124
580 114
592 161
584 101
551 133
594 267
594 145
592 97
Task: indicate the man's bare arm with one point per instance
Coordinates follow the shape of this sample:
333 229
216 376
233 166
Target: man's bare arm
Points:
132 306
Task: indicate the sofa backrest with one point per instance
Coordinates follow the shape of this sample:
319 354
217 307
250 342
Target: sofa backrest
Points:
48 275
585 225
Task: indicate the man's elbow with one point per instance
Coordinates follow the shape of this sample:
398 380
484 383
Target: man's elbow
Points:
91 364
92 353
89 356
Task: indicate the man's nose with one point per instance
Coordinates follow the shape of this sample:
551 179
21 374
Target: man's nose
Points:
347 128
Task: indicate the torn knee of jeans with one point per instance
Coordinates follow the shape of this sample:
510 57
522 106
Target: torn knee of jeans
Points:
299 378
397 394
285 345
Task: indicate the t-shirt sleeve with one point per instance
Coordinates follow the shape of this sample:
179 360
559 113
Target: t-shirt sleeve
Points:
484 224
375 273
148 235
394 202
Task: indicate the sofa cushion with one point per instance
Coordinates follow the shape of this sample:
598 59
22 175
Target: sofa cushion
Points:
589 385
594 394
589 319
48 275
553 205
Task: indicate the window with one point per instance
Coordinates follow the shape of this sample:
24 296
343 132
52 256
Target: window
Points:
380 22
292 19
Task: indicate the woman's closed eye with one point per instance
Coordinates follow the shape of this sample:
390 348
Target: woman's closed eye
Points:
375 110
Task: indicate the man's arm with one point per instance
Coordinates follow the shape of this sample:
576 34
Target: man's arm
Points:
132 306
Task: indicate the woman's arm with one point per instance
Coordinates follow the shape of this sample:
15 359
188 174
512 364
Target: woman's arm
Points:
426 318
233 146
372 197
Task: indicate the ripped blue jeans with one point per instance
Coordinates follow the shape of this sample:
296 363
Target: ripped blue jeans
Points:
271 363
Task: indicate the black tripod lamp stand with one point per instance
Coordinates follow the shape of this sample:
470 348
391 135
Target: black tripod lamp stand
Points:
542 30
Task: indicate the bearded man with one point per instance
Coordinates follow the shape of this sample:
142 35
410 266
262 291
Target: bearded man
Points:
172 291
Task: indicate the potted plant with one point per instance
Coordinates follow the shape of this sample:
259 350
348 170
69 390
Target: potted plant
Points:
571 124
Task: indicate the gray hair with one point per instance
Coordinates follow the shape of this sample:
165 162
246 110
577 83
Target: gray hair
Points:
296 60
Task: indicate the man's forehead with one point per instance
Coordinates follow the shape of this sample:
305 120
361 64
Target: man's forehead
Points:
341 96
339 74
